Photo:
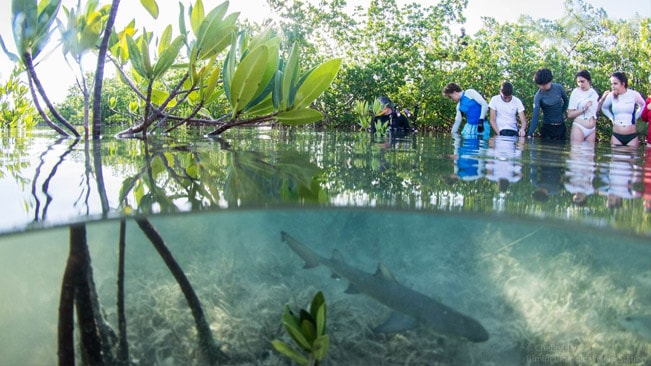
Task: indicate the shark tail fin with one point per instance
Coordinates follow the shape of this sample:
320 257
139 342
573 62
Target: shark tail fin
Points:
310 257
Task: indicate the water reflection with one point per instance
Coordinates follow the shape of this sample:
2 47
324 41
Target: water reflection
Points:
580 172
574 286
621 176
63 181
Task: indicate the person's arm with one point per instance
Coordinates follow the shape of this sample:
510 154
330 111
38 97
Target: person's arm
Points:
646 111
566 100
523 123
536 114
457 121
606 102
493 118
640 103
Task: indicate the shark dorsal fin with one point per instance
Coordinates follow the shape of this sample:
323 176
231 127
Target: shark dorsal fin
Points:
384 273
337 256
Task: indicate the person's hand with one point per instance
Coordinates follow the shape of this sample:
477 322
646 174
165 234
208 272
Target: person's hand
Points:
603 97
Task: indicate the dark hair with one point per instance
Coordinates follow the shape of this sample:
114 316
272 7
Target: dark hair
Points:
451 88
621 77
584 74
385 101
543 76
507 89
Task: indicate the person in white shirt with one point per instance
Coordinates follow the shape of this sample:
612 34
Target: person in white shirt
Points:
503 111
623 106
583 108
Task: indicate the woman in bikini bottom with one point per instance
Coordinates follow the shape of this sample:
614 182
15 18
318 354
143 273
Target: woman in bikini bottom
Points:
625 139
586 131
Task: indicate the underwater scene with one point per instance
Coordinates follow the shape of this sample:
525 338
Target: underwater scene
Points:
276 248
543 294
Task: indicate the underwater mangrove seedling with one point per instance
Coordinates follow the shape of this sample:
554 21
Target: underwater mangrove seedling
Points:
307 329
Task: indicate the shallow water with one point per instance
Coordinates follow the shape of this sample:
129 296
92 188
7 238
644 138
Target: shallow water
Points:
552 282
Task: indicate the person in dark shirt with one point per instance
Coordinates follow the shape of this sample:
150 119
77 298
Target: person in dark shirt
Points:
551 99
397 121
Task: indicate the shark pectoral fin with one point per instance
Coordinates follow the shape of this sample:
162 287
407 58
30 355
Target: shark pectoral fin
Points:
337 256
395 323
384 273
352 290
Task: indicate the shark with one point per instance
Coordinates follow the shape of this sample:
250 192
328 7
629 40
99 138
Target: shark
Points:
410 308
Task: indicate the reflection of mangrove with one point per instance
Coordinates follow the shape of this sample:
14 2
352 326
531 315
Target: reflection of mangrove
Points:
171 178
97 340
252 177
48 179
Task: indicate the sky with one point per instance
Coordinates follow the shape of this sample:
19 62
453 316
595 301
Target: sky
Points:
55 74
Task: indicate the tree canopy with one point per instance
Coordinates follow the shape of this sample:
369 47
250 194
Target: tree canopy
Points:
407 52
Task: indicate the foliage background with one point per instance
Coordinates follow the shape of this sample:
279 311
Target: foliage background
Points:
411 52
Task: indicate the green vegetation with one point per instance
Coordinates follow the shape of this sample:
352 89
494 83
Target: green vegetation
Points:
176 78
16 110
308 331
222 73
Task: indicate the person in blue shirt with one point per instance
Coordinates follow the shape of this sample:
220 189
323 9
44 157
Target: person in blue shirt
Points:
550 99
474 106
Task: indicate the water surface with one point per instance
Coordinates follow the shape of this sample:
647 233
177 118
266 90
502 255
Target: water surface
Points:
547 246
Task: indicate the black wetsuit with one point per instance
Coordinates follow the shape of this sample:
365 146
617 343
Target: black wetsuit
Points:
397 121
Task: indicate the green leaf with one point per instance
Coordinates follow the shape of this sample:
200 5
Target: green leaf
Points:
264 107
247 77
209 91
146 59
165 39
229 69
308 330
12 56
286 350
316 303
182 27
217 42
290 77
315 82
320 347
299 338
299 117
168 56
321 320
135 57
267 84
151 7
196 16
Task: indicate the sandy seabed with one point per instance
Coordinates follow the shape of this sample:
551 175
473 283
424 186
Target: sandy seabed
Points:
546 295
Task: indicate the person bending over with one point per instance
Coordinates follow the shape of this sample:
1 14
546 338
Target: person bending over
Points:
473 105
